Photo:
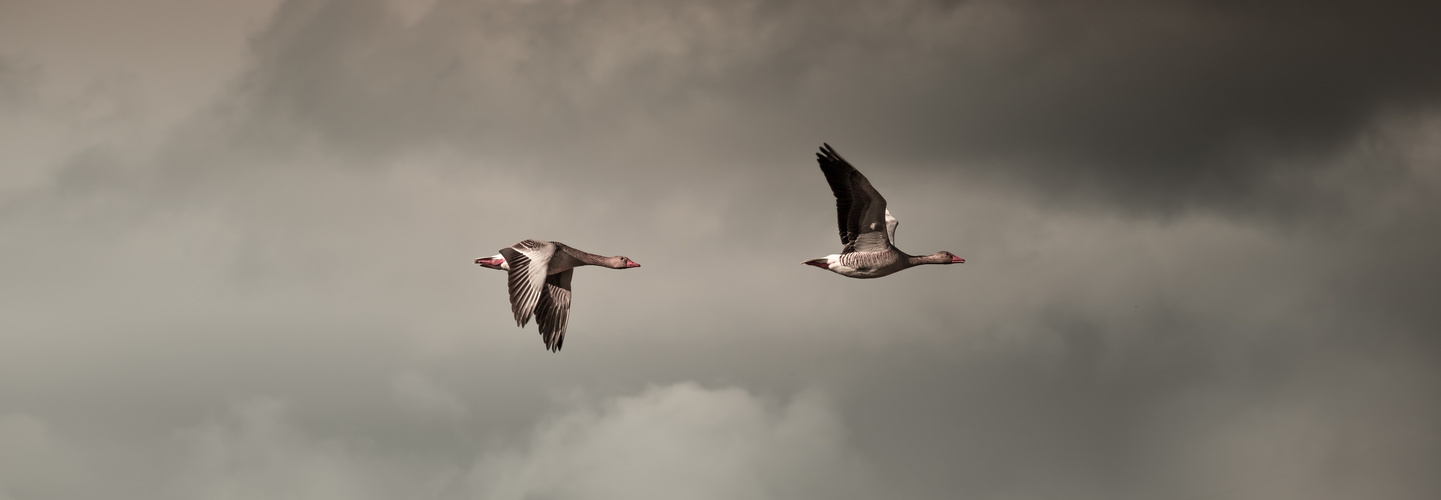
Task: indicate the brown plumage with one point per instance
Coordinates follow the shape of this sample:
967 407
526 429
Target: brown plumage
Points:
867 229
539 274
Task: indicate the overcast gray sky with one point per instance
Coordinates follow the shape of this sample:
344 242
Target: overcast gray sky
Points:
1201 243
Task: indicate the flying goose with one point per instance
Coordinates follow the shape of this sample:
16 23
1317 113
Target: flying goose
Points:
540 282
868 230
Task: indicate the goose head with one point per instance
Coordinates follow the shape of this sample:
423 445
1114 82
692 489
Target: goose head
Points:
941 257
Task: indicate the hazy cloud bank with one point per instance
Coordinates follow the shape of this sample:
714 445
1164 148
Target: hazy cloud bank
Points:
680 439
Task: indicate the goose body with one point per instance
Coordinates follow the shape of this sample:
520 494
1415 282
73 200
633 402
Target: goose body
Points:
539 281
867 228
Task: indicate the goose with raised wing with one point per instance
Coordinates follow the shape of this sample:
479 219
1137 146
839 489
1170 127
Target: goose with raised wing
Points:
868 231
540 273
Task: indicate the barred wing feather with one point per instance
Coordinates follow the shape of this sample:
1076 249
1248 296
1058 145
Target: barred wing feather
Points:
529 261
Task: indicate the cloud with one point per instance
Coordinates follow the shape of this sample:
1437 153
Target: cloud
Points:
1199 242
257 452
19 84
418 393
1143 106
681 440
1153 109
31 462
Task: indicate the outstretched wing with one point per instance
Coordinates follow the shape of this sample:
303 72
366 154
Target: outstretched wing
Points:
860 209
529 260
553 312
838 175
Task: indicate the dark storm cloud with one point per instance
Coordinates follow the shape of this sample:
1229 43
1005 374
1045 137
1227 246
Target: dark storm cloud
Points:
1146 105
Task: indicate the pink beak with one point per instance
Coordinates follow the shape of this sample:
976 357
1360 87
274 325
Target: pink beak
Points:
957 260
631 263
487 261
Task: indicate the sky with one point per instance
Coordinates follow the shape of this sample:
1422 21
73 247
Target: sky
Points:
1200 241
